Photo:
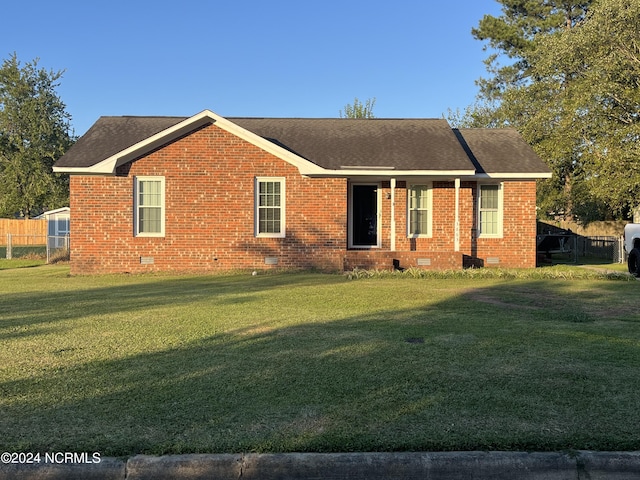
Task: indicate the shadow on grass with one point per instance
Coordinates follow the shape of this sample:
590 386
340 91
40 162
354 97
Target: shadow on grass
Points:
54 306
13 264
496 367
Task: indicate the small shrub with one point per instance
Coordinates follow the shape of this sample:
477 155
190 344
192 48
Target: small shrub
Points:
33 256
564 273
59 256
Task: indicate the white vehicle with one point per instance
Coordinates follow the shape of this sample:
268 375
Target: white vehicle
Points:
632 247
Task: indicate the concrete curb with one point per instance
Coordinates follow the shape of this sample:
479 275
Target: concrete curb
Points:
371 466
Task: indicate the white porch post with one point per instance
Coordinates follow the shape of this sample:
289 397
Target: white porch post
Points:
393 214
456 240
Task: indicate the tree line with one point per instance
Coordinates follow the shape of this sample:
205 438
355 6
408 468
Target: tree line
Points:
566 75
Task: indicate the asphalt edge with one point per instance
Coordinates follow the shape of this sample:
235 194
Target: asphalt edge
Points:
579 465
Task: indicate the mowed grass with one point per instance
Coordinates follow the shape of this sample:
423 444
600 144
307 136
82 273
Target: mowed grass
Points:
313 362
20 263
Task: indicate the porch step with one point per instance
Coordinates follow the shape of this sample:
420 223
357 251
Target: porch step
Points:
386 260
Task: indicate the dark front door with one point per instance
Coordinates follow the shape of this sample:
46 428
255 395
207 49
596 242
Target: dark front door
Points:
364 218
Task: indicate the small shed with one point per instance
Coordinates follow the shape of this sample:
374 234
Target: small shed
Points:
58 222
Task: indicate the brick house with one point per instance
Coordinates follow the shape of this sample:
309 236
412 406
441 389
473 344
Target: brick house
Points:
207 193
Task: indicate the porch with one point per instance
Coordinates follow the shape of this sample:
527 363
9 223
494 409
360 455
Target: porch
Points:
372 259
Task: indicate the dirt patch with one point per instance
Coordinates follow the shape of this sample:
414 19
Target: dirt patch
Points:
456 339
528 301
579 308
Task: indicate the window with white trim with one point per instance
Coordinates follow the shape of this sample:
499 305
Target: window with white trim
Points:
419 210
270 207
490 210
149 206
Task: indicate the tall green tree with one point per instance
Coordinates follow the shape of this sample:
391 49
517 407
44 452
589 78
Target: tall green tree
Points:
519 95
595 71
513 36
359 109
34 133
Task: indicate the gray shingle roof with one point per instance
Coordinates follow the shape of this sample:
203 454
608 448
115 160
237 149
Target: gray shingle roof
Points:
110 135
333 144
404 144
500 150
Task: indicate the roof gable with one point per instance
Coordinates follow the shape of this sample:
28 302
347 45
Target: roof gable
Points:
48 213
114 141
320 147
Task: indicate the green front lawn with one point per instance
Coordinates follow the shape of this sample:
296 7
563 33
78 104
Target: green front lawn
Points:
311 362
20 263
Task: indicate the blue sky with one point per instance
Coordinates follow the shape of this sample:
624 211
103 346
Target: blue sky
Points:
255 58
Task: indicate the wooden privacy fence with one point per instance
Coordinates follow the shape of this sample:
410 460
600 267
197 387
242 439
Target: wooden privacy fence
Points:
27 232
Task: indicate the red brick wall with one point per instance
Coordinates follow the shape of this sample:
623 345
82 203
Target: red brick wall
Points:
210 177
209 222
516 248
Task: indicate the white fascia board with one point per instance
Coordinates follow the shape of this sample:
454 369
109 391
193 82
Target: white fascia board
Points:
391 173
52 212
97 169
57 210
434 174
514 176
